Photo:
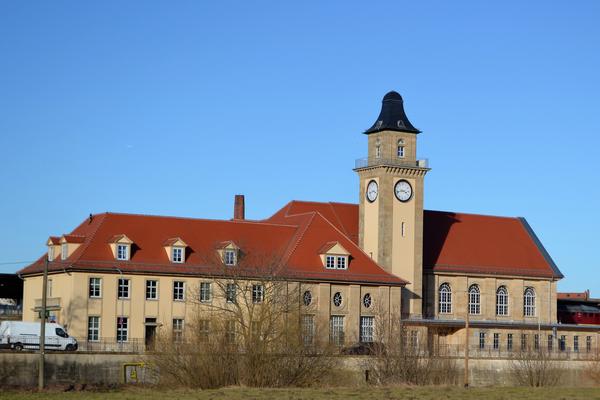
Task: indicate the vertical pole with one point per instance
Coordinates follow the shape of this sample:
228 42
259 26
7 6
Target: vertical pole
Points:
42 377
466 383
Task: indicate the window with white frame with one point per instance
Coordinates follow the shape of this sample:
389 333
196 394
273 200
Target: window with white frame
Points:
330 262
400 149
151 290
474 300
445 299
308 329
203 329
502 301
229 257
50 253
205 292
336 331
230 292
536 341
95 288
367 328
122 329
529 302
93 329
123 288
64 251
49 288
179 290
341 262
177 254
258 293
177 330
122 252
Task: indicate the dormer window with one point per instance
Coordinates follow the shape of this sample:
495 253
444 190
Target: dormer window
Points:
336 262
341 262
229 257
177 254
334 256
120 245
64 251
50 253
122 252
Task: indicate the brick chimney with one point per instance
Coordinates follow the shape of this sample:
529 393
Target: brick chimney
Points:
239 208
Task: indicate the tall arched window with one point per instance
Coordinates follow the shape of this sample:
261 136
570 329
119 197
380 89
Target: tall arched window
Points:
474 300
445 299
400 150
529 302
502 301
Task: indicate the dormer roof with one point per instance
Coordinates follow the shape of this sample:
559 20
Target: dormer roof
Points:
72 239
120 238
176 241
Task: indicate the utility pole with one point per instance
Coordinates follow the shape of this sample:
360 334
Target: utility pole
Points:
42 376
466 383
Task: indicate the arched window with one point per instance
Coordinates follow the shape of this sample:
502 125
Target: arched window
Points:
445 299
529 302
474 300
400 149
502 301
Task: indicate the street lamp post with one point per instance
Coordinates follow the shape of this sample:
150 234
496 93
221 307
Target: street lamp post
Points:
41 375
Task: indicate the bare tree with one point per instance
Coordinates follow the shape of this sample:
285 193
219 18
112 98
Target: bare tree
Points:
535 366
249 328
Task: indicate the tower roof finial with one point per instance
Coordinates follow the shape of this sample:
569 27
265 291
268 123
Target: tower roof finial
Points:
392 116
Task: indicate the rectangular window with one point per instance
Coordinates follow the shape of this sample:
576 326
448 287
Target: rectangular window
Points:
523 341
230 332
482 340
550 342
177 330
205 292
401 151
177 254
536 341
509 342
93 329
308 329
576 344
230 293
330 262
258 293
64 251
122 329
122 252
229 257
49 288
496 342
341 262
178 290
95 288
588 343
51 253
562 343
204 329
336 332
123 290
151 290
367 327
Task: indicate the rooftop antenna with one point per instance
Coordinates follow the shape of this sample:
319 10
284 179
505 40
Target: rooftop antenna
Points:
91 218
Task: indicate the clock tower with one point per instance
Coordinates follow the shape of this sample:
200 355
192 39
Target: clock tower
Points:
391 200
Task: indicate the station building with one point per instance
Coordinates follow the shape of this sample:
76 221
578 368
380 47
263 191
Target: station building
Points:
124 276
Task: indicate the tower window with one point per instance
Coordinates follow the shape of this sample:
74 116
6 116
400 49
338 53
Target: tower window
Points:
378 151
400 148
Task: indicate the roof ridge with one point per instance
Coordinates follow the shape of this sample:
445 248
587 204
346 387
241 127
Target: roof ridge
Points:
473 214
91 237
297 238
339 220
233 221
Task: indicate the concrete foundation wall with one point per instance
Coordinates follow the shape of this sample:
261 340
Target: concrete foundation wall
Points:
21 369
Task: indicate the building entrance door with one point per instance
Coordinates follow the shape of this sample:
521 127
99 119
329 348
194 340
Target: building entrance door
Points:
150 336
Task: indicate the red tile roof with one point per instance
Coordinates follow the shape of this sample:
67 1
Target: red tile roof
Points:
290 246
573 296
456 242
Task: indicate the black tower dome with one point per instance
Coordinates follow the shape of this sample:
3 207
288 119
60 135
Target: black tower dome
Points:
392 116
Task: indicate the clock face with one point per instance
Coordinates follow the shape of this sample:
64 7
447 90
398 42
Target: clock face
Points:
403 191
372 190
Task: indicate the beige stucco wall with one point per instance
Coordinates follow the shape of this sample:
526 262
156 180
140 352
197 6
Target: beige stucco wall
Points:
77 306
545 291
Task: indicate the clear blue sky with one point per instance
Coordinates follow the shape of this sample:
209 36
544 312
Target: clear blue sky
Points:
173 107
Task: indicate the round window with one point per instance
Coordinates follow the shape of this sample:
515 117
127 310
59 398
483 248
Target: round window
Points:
337 299
307 298
367 300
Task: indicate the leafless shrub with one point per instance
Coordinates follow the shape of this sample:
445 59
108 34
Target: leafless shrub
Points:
593 370
535 367
401 360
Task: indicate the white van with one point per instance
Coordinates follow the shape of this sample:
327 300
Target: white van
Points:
18 335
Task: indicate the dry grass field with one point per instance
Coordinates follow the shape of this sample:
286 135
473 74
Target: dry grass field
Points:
404 393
